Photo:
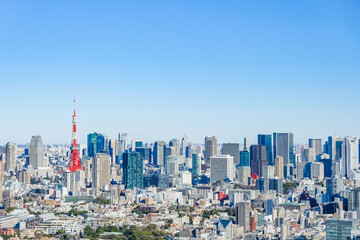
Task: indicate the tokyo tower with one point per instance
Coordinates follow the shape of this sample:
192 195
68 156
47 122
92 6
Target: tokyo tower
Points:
74 163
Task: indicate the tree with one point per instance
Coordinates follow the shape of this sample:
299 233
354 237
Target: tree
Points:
10 209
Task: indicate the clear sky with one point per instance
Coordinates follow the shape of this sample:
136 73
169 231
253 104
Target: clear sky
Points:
161 69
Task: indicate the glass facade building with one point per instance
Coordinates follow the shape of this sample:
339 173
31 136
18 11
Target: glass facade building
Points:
133 170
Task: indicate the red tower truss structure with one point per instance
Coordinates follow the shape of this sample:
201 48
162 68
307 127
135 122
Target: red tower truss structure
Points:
74 163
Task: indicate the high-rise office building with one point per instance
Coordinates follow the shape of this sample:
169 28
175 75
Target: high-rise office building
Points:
121 146
184 145
112 150
145 153
316 145
334 147
189 150
279 167
196 164
222 167
244 173
265 140
242 215
159 153
247 144
96 143
257 159
284 147
210 148
10 157
175 144
245 158
169 151
136 143
101 170
349 163
308 155
317 171
132 170
232 149
37 152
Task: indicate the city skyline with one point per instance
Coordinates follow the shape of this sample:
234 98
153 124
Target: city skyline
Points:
230 71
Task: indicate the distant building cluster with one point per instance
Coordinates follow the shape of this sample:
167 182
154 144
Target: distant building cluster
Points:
271 189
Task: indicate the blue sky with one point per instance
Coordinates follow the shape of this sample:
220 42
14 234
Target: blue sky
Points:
161 69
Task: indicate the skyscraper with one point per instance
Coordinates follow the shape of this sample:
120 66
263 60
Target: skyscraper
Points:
121 146
159 153
136 143
132 170
257 159
284 147
10 157
245 158
184 145
112 150
36 152
210 148
279 167
334 147
349 164
242 215
175 144
247 144
97 143
265 140
101 170
316 145
196 164
232 149
222 167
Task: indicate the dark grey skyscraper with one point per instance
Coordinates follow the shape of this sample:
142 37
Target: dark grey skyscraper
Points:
210 148
265 140
159 153
232 149
284 147
242 214
37 152
257 159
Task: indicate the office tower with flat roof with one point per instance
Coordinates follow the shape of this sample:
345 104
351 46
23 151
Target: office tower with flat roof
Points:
184 145
232 149
245 158
247 144
316 145
189 150
210 148
101 170
136 143
242 215
176 145
222 167
196 164
145 153
159 153
96 143
37 152
133 170
279 167
10 157
308 155
349 163
284 147
244 173
121 146
265 140
169 151
257 159
334 147
112 150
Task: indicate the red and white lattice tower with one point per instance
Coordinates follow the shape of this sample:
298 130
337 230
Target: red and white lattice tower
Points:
74 163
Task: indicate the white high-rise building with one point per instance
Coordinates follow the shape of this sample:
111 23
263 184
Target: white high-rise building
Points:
317 170
222 167
349 162
244 173
308 154
101 170
10 157
37 159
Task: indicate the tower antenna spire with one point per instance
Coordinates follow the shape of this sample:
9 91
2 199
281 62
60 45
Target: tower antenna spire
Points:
74 163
